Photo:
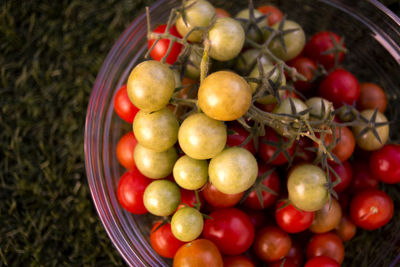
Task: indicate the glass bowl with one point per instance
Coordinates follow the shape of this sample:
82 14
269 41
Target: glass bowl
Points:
372 35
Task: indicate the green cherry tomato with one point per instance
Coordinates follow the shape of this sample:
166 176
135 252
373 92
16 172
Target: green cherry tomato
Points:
317 112
161 197
227 38
191 174
224 96
294 41
252 33
192 68
285 107
233 171
368 141
306 187
187 224
247 60
150 85
198 13
153 164
156 130
201 137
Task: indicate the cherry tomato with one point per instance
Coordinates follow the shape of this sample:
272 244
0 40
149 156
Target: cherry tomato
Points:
306 187
251 32
306 67
187 224
371 209
372 96
188 198
317 46
340 87
266 150
125 147
274 13
238 261
345 145
268 198
291 219
385 164
230 229
161 197
272 243
368 140
362 178
224 95
201 137
161 48
302 152
327 218
221 13
146 94
163 241
321 261
327 244
198 13
346 229
236 163
200 252
123 106
131 189
217 199
237 136
191 174
345 172
321 108
295 253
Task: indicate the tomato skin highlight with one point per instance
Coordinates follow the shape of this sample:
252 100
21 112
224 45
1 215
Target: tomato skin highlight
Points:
230 229
163 241
306 67
340 87
272 243
385 164
217 199
371 209
130 191
161 48
327 244
123 106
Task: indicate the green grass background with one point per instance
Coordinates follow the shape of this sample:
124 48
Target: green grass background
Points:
50 53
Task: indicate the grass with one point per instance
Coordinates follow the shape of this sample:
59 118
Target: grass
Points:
50 53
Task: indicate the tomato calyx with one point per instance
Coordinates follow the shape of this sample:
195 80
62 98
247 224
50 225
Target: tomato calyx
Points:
338 47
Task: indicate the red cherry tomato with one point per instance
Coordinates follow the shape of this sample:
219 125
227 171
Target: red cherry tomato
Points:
130 191
237 261
326 244
222 13
371 209
238 136
271 243
385 164
125 147
268 198
321 261
372 96
200 252
346 229
345 172
123 106
291 219
340 87
362 177
317 46
163 241
303 154
161 48
306 67
285 262
188 197
275 14
266 151
295 253
230 229
217 199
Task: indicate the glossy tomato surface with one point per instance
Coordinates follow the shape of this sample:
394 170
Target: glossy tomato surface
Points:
123 106
230 229
163 241
200 252
125 147
161 47
267 149
327 244
385 164
272 243
291 219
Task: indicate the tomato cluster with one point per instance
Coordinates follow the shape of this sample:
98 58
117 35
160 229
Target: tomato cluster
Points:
223 157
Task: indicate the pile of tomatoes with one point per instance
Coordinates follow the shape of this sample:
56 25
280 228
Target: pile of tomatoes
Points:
226 195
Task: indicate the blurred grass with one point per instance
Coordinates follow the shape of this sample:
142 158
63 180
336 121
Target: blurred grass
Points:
50 53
